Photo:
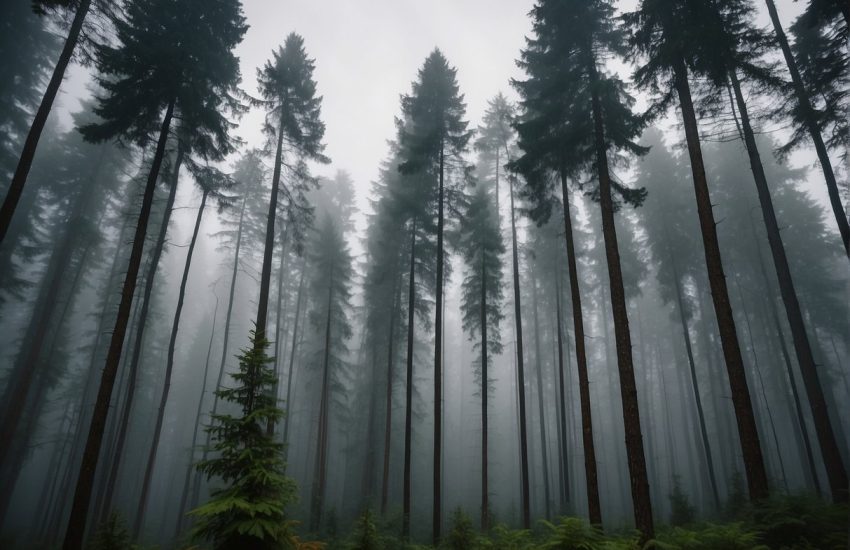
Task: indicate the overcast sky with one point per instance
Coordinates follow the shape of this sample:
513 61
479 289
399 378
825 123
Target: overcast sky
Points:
367 53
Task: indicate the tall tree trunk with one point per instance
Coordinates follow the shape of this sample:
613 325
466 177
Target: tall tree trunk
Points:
747 431
388 415
19 179
523 424
485 390
628 388
686 336
277 331
169 368
541 406
291 370
82 493
408 407
593 506
835 471
804 104
565 464
436 514
187 480
133 374
320 473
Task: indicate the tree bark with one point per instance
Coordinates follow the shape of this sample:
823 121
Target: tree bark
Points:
277 331
320 474
291 370
388 415
19 179
82 494
408 409
593 506
436 514
835 471
485 496
747 431
169 368
541 406
565 465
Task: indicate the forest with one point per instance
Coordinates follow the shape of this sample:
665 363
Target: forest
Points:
514 274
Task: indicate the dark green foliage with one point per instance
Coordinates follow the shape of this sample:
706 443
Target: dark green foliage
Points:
462 535
729 536
250 510
681 510
800 522
366 536
577 534
112 534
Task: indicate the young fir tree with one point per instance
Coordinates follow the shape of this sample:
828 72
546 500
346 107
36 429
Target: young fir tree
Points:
570 129
661 34
160 47
481 305
293 123
735 47
19 178
432 144
249 510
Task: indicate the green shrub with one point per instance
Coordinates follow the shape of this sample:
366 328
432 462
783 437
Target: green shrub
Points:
112 534
800 522
681 510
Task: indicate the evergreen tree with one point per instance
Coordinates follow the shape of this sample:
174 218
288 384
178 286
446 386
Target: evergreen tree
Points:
288 93
570 129
155 65
481 305
661 36
432 143
249 511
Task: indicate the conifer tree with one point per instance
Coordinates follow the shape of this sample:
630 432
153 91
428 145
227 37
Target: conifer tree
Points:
661 33
154 67
481 305
432 143
249 510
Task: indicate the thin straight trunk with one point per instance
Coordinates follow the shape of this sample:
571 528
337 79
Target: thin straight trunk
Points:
485 497
277 331
757 369
368 474
290 371
686 336
169 368
593 507
19 179
408 408
82 493
187 481
628 388
747 430
808 113
436 514
388 415
565 465
268 252
835 471
320 473
789 371
523 424
138 346
541 406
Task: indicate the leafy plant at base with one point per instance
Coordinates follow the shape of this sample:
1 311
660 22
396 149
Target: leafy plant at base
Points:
249 512
366 535
681 510
462 535
112 534
577 534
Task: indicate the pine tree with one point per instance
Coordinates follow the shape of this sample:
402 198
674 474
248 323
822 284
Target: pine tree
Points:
288 93
481 305
661 34
157 53
432 143
569 129
249 511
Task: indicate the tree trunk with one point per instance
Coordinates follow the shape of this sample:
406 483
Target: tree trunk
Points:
628 388
593 506
292 349
19 179
523 424
538 359
187 481
808 113
747 431
82 493
277 331
565 464
436 514
169 368
320 473
835 471
133 374
485 390
388 415
408 408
